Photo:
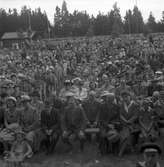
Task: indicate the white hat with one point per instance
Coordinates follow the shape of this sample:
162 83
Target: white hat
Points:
109 62
11 98
76 79
105 93
25 98
69 94
159 72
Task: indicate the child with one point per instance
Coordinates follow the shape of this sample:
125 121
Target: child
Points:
151 152
20 149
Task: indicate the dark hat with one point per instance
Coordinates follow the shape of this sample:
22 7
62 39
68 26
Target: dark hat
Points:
125 93
16 85
20 132
13 75
3 86
155 80
150 147
35 93
47 101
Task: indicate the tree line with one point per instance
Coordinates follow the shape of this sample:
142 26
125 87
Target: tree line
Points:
78 23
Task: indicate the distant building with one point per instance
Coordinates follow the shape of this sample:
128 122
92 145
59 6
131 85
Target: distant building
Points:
16 39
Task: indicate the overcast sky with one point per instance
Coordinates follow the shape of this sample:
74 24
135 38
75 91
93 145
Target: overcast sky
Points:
91 6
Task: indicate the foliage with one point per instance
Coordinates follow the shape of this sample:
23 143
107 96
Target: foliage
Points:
78 23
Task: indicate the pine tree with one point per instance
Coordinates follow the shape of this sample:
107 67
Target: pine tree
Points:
151 23
138 23
117 27
128 20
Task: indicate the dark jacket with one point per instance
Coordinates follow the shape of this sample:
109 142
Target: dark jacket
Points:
50 120
73 118
92 110
132 114
109 113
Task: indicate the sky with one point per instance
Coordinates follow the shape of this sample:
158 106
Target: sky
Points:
91 6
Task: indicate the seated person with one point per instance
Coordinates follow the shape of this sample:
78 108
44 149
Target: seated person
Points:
29 122
73 122
108 120
11 114
20 149
50 123
11 122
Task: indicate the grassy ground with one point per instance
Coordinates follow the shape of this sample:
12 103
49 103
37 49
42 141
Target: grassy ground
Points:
90 158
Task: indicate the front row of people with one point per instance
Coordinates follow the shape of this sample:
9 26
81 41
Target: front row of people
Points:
116 124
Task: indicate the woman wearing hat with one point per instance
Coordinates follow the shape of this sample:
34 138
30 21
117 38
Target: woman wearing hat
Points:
11 121
29 121
11 112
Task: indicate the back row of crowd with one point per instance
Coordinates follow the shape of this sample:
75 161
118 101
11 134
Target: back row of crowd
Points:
102 89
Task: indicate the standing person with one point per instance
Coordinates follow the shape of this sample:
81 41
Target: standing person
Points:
59 73
151 153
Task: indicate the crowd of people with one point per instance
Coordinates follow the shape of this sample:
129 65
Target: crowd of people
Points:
102 89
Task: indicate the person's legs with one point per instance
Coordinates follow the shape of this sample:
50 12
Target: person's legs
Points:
6 146
53 141
66 139
1 148
82 138
39 137
30 136
102 141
